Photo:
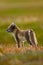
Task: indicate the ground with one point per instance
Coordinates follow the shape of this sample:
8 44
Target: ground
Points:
23 56
14 49
26 14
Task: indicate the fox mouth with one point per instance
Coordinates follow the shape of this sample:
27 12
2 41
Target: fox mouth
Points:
8 30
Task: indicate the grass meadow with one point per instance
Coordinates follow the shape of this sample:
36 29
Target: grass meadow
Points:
26 14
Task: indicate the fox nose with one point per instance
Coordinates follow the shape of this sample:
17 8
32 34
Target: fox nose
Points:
8 30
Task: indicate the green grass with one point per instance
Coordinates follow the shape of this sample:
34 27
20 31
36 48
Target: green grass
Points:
33 8
28 58
21 0
22 11
7 38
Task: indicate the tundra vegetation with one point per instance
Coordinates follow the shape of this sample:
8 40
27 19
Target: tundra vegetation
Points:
26 14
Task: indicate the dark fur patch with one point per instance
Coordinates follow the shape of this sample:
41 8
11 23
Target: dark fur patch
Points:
32 37
27 37
11 28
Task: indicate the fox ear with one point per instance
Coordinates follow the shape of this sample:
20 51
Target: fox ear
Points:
13 23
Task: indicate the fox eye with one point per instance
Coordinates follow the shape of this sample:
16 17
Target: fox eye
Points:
12 27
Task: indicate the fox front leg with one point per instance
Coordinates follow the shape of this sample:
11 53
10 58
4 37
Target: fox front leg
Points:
17 40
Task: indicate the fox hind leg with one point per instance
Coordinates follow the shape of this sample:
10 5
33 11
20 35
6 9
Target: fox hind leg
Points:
31 37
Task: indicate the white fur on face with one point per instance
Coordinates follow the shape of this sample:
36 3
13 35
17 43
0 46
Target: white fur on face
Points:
10 25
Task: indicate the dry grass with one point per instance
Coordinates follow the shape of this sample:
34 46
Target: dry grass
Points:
11 55
13 49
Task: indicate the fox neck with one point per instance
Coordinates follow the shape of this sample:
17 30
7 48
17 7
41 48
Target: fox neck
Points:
16 29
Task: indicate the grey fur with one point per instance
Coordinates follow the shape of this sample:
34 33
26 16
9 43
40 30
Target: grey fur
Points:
22 35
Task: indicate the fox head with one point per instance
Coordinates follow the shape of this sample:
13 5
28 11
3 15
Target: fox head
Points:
11 28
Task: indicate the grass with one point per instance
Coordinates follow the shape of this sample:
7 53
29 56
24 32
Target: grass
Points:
7 37
10 55
21 0
22 11
31 8
28 58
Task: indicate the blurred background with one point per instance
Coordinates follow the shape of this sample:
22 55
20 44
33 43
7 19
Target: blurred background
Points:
26 14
